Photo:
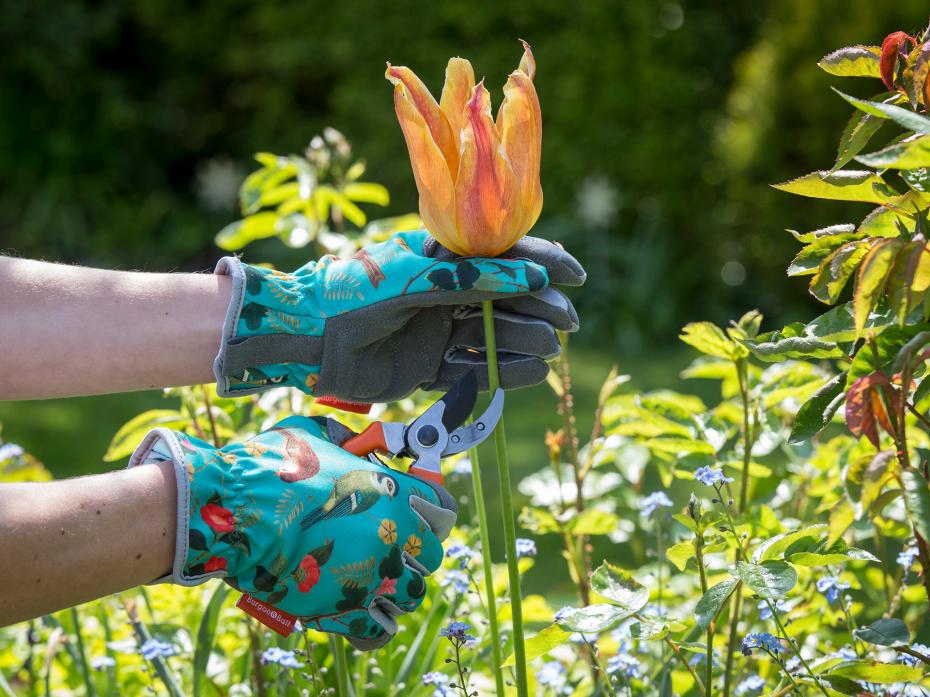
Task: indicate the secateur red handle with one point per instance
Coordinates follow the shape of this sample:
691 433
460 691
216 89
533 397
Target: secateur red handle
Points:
372 440
367 442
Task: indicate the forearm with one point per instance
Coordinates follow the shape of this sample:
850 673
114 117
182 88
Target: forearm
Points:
70 330
66 542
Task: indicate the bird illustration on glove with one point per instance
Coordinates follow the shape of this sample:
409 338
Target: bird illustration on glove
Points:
353 492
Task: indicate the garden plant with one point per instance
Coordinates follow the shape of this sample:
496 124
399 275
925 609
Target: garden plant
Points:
774 539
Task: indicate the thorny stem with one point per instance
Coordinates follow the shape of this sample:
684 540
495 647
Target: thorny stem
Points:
506 493
794 645
488 568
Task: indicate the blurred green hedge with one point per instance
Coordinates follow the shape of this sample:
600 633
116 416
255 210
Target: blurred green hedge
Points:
125 126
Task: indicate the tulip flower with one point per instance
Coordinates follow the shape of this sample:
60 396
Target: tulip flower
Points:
478 177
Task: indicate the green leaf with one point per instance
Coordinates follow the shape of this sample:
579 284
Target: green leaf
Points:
680 553
910 153
770 579
592 619
808 237
648 629
859 130
852 61
710 339
887 631
365 192
827 558
836 270
238 234
778 346
617 585
910 120
541 643
844 185
206 634
818 411
882 351
538 520
872 671
917 501
130 434
593 521
872 278
710 603
809 259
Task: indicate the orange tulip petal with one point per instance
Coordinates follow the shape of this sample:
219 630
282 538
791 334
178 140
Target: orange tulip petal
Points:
519 121
421 98
485 192
434 181
527 62
460 81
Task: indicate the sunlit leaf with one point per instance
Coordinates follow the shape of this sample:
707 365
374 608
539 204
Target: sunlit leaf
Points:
872 278
680 553
859 130
774 547
593 521
710 339
592 619
617 585
909 153
818 411
238 234
541 643
872 671
809 259
843 185
130 434
917 499
903 116
836 270
366 192
852 61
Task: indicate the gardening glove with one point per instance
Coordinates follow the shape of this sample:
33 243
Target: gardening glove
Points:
289 517
395 316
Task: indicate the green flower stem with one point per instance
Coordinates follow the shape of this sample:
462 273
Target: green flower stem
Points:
793 644
485 536
510 524
708 661
341 664
91 690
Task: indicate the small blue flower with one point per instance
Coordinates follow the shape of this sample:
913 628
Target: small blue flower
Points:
711 476
655 501
906 558
750 686
154 648
525 547
10 450
102 662
285 659
457 631
552 674
831 586
457 579
440 683
463 553
762 640
624 664
765 613
911 660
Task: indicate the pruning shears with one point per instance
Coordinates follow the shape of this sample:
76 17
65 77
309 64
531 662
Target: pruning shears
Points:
436 433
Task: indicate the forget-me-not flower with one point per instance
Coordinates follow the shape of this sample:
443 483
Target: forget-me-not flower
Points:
553 675
831 586
711 476
102 662
285 659
750 686
525 547
762 640
457 579
654 501
440 683
155 648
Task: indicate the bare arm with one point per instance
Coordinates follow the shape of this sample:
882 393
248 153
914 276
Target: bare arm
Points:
69 330
64 543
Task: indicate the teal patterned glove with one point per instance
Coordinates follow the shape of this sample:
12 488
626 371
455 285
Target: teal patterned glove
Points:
342 543
395 316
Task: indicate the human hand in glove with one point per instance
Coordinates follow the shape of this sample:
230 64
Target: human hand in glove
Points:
294 520
394 317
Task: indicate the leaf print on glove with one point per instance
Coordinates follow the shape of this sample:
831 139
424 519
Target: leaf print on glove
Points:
218 518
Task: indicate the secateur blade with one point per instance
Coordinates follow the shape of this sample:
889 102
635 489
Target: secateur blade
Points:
478 430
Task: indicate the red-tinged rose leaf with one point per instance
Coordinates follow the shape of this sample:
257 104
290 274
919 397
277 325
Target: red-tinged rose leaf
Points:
861 400
888 61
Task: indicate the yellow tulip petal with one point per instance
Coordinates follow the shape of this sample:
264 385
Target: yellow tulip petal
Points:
485 191
519 121
527 62
422 100
434 181
460 81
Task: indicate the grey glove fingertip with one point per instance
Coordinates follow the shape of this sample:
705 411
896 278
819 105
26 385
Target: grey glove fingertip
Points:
563 268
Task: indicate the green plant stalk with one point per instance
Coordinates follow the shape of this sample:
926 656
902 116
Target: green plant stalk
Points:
85 669
487 565
341 665
510 525
708 662
608 683
793 644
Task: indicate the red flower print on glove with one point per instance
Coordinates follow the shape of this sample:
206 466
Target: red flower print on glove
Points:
214 564
218 518
387 587
311 569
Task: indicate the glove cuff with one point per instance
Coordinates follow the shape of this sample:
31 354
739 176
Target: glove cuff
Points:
162 445
232 267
